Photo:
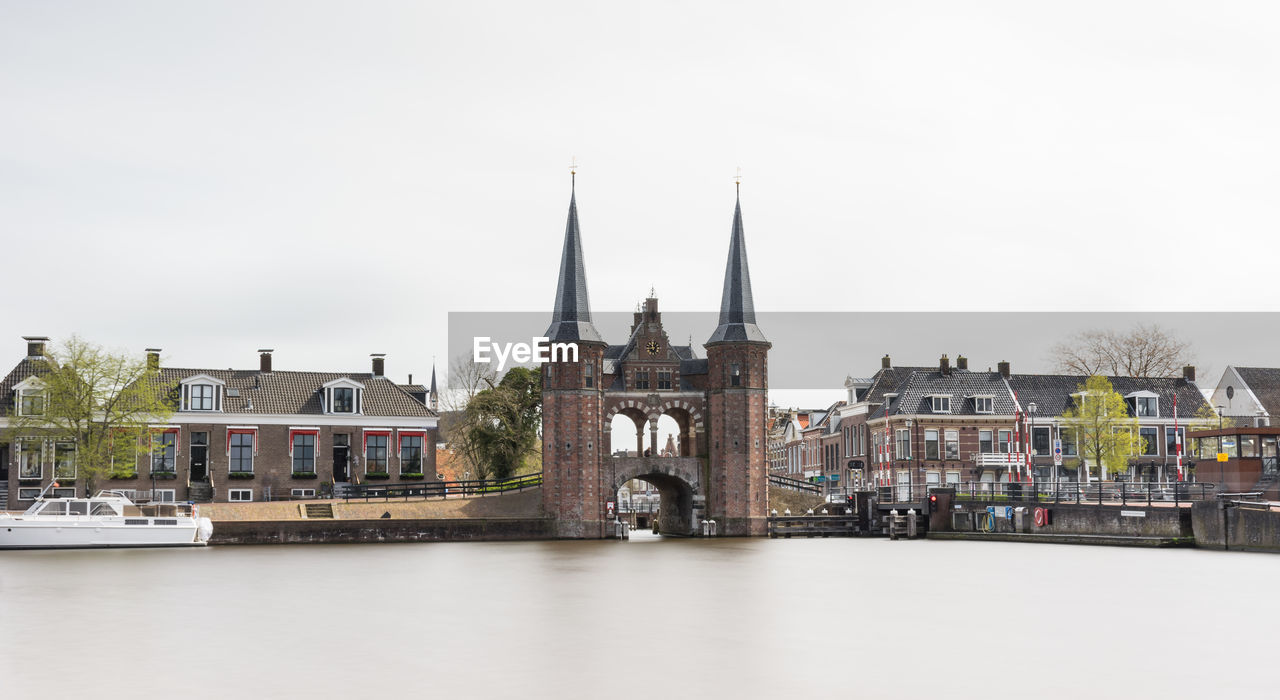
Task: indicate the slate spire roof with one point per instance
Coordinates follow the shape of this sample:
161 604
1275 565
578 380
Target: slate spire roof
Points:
737 310
571 315
433 380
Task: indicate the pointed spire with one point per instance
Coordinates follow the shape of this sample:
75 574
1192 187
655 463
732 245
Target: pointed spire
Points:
571 316
433 396
737 310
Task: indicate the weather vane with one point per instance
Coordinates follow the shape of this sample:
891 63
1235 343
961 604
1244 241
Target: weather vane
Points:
737 180
573 169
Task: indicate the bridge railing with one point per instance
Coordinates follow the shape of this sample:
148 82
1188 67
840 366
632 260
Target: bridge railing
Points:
787 482
1096 492
437 489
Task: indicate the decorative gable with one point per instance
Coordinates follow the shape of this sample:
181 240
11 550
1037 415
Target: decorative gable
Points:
202 392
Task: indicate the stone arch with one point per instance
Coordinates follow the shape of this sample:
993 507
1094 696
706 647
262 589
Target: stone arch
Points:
679 485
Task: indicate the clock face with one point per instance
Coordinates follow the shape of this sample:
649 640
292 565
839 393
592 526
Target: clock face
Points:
652 347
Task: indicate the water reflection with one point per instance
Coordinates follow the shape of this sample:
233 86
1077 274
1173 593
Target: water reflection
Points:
648 618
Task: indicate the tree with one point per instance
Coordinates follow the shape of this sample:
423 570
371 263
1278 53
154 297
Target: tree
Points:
1145 351
501 424
1105 434
100 405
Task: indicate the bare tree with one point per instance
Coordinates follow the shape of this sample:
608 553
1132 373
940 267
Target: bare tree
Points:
1147 350
466 379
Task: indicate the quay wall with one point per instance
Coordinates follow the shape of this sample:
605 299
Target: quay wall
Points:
1224 525
325 531
1082 519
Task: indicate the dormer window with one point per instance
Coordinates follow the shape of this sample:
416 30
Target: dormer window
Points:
1144 404
984 404
940 404
29 396
202 393
344 396
344 400
31 403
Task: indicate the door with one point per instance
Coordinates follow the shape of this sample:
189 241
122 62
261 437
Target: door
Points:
341 452
199 456
4 463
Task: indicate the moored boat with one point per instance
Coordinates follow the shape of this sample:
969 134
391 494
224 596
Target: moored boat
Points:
109 519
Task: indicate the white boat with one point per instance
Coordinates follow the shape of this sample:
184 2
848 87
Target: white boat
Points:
109 519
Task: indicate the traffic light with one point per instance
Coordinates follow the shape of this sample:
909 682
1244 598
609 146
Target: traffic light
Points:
933 503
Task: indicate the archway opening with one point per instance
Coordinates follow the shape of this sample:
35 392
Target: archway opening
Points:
654 498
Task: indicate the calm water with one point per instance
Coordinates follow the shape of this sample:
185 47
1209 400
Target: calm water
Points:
648 618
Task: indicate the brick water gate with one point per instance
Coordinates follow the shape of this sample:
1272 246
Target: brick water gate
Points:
718 401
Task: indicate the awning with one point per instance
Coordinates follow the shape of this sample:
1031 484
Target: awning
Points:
411 432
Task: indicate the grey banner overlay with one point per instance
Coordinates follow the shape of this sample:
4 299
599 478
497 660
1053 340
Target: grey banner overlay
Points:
817 350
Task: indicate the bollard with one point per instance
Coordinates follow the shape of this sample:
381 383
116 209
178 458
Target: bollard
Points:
788 513
774 512
893 524
810 512
911 523
713 528
705 529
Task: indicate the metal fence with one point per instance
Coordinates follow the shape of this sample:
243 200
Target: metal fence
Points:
787 482
1097 492
436 489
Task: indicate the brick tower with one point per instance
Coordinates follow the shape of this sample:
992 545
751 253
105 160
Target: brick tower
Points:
572 395
737 397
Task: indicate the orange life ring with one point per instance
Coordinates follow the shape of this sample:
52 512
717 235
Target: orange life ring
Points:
1042 517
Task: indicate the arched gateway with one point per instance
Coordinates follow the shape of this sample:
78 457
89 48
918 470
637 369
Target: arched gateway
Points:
718 403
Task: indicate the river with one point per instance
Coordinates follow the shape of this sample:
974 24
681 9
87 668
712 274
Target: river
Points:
646 618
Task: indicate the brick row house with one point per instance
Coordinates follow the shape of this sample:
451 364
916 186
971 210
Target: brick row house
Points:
247 435
951 425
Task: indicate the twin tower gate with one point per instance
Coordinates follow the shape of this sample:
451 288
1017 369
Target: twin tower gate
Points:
719 402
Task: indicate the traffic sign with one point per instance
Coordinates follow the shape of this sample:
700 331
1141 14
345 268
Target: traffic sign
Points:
1222 456
1057 453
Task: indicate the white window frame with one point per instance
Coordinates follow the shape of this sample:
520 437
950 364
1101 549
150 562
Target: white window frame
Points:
31 386
74 460
984 404
164 495
302 493
68 492
937 442
940 403
187 387
948 441
357 396
902 436
422 452
29 493
22 455
232 493
991 440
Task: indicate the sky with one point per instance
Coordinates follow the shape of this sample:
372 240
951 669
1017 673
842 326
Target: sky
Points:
333 179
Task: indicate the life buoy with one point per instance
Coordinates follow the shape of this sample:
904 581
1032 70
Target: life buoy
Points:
1042 517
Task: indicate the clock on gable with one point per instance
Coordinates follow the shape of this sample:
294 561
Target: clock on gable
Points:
653 347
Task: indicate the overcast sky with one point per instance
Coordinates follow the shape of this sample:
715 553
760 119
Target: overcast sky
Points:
330 179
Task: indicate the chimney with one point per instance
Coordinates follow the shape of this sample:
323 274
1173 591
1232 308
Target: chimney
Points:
410 377
264 360
153 358
379 364
962 363
1189 373
1004 369
885 363
35 346
944 366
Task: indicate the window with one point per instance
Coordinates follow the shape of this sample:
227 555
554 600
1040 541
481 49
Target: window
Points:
1249 446
932 480
30 459
735 374
164 451
904 444
953 479
375 453
1006 441
344 400
28 494
1040 440
953 444
304 453
241 448
64 460
664 381
1146 406
32 402
1150 441
201 397
240 495
941 404
163 495
1125 434
983 404
931 444
302 493
410 454
642 380
985 445
588 374
104 509
1068 438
